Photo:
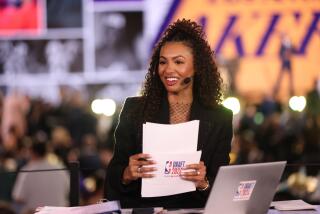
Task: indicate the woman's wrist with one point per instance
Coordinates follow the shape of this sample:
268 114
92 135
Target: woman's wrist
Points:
125 179
205 186
125 182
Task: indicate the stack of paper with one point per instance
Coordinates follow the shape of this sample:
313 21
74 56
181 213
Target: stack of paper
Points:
172 147
292 205
176 138
107 207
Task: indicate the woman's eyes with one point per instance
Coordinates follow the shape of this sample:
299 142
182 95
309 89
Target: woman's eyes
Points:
178 62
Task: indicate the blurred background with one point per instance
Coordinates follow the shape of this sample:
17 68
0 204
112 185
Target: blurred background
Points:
66 67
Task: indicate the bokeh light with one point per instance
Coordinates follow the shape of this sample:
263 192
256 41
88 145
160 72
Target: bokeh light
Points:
104 106
297 103
233 104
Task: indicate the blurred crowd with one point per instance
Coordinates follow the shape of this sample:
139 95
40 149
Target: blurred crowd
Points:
38 135
271 131
63 133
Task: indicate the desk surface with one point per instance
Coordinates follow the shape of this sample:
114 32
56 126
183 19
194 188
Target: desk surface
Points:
296 212
271 211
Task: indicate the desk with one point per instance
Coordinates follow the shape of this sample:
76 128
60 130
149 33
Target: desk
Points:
271 211
97 207
296 212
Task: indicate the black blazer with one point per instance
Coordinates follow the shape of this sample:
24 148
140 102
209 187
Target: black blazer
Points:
215 134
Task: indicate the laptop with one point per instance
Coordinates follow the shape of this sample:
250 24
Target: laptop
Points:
244 189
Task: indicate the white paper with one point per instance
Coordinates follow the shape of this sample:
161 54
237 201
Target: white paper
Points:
185 211
173 138
167 180
292 205
90 209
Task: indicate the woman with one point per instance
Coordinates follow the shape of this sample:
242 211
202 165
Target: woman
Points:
182 84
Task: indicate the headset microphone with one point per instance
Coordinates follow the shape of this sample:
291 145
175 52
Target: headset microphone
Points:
187 80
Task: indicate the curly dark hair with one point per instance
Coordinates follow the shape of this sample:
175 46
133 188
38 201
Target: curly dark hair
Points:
207 80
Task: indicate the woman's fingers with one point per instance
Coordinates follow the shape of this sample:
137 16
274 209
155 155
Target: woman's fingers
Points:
145 162
146 172
140 156
139 166
196 167
192 176
147 169
141 159
194 172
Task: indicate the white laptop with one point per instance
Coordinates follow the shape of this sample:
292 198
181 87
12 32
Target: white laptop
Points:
244 189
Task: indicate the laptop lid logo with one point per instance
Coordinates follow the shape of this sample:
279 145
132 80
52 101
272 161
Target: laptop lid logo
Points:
244 190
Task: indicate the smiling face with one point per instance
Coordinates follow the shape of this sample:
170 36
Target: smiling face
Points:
175 66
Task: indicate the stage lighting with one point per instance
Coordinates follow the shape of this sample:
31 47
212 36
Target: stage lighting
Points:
233 104
103 106
297 103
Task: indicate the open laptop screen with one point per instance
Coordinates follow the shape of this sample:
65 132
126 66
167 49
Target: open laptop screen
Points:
242 189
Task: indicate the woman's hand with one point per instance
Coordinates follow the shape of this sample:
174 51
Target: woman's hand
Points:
197 174
139 167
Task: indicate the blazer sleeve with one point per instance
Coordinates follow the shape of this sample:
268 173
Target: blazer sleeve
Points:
220 139
125 146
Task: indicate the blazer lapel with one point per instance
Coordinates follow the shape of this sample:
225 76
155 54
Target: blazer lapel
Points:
198 113
163 117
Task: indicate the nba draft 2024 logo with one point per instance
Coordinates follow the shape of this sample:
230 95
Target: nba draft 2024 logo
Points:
244 190
173 168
